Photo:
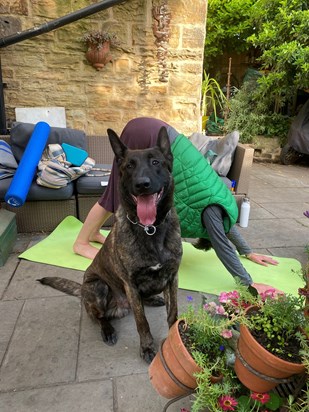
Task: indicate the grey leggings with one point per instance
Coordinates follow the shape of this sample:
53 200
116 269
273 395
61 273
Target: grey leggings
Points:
212 217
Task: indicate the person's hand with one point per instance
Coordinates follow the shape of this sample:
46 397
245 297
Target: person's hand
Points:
261 259
264 289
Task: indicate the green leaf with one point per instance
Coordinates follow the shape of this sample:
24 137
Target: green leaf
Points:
275 402
244 402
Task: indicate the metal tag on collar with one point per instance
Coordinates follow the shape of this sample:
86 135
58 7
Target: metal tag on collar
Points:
150 229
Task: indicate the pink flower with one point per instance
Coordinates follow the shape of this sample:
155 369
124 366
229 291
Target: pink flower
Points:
228 297
227 334
214 309
227 403
210 308
220 310
184 410
260 397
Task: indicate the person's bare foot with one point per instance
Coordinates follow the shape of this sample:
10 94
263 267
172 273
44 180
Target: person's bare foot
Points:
97 237
86 249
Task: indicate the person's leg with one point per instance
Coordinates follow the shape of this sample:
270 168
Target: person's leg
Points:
90 232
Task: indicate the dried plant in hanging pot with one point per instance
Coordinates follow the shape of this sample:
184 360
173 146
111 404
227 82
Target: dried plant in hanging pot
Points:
98 47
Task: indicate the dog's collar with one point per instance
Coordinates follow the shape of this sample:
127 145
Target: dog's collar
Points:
149 229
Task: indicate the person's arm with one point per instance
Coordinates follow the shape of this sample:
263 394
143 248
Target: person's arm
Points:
238 241
213 221
244 249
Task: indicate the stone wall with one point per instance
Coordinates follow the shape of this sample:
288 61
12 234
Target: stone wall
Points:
51 69
266 149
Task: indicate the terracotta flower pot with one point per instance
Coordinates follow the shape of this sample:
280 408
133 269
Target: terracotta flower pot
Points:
260 370
175 378
99 57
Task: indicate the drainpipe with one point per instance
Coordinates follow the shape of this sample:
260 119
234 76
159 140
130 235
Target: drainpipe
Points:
3 128
55 24
45 28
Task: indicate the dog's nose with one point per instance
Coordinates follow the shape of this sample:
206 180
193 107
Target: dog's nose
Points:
142 183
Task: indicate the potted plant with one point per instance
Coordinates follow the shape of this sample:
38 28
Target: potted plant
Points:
271 344
194 357
202 346
213 99
304 274
98 47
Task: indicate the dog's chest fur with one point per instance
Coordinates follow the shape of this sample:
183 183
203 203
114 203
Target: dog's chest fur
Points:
151 266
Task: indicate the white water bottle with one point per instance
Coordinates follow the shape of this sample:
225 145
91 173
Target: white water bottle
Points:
244 213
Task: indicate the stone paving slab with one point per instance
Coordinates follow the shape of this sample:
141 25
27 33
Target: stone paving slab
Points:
276 195
9 312
44 345
137 392
281 175
258 212
80 397
286 210
6 272
277 233
25 286
97 360
277 179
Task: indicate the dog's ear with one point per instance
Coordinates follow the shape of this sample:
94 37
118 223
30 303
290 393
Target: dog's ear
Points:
164 144
118 147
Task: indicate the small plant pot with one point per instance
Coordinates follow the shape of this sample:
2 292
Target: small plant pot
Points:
171 371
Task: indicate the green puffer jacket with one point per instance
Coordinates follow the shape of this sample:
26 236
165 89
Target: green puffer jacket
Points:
197 186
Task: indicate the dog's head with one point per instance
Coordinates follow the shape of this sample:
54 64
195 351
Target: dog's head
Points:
146 183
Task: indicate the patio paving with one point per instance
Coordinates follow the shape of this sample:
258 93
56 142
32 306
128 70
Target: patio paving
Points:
52 358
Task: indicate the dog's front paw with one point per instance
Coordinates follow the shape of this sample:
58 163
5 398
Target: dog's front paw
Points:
148 354
155 300
109 335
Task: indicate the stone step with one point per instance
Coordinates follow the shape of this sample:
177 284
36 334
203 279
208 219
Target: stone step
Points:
8 234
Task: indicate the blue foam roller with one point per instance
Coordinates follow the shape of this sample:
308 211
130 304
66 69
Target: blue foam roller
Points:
20 185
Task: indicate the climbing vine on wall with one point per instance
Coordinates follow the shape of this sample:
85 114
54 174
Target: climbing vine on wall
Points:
161 31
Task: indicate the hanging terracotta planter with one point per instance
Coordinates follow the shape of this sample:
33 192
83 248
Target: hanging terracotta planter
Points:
258 369
99 57
98 47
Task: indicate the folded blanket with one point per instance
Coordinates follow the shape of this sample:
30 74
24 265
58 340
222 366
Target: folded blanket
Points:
8 164
55 171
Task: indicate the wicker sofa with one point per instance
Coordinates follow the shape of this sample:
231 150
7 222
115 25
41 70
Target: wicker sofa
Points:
45 215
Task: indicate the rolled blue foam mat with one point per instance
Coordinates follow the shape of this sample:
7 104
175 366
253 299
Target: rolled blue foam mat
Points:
20 185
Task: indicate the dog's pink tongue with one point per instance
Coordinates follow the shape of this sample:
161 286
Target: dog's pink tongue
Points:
146 209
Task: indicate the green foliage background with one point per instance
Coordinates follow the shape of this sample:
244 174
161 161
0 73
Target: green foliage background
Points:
278 32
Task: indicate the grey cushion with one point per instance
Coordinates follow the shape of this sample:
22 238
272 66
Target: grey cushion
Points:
224 148
21 133
37 192
91 185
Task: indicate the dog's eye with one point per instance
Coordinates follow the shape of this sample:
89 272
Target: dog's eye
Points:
155 162
130 165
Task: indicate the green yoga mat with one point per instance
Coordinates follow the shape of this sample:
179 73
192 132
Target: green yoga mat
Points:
199 271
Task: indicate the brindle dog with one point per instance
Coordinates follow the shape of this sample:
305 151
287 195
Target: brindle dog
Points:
141 255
